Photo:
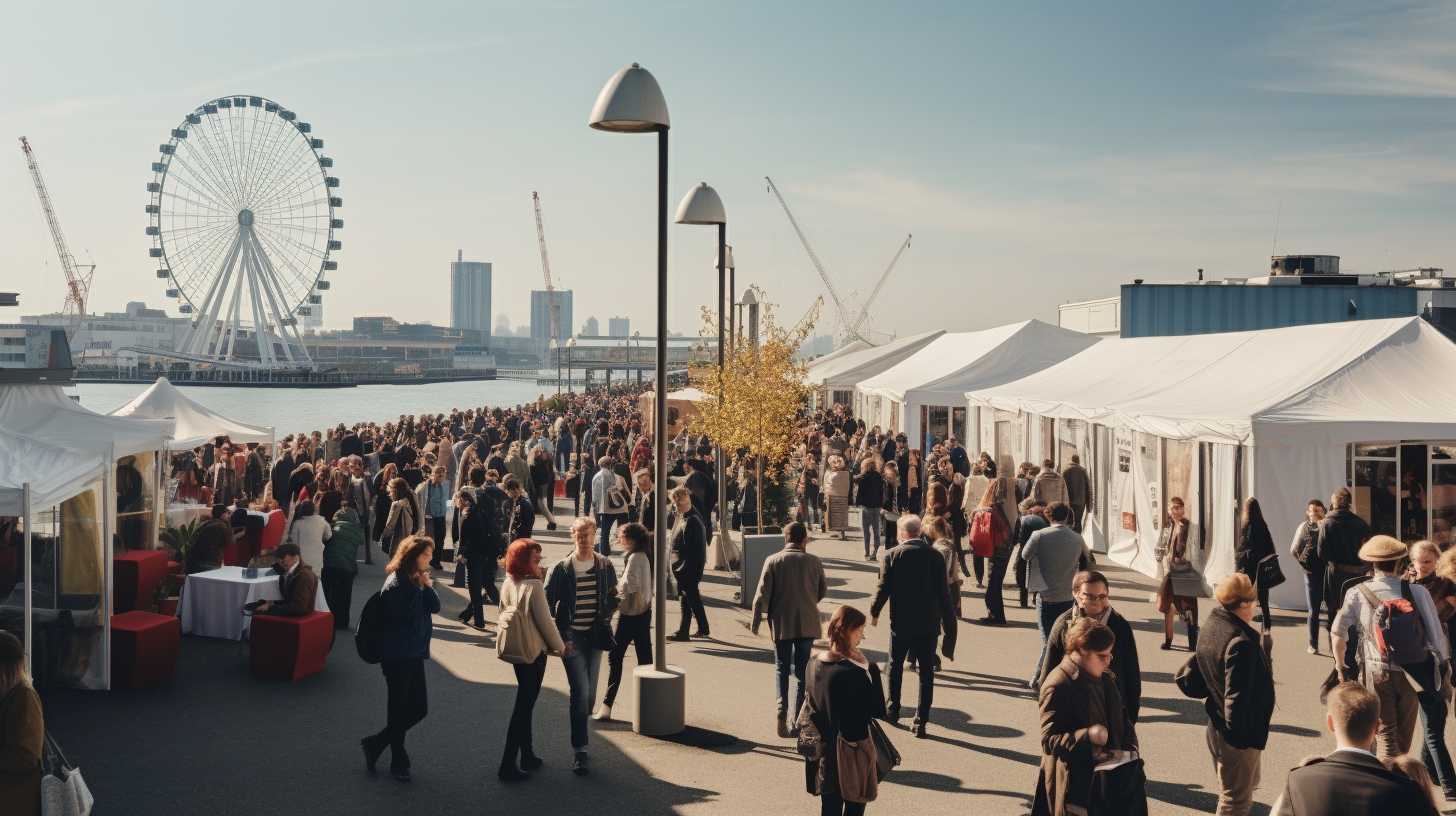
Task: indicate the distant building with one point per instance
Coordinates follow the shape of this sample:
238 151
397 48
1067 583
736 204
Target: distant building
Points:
619 327
1299 290
104 339
541 301
315 317
469 294
591 328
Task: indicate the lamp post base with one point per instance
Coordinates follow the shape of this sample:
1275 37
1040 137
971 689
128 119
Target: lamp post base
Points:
661 701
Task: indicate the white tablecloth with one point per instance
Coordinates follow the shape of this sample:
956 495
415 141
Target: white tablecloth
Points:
180 514
213 601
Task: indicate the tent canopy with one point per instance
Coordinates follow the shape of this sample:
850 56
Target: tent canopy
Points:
848 348
1380 374
848 369
195 424
948 366
45 414
54 473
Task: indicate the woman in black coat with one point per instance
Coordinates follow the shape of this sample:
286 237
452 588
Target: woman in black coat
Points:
845 694
473 545
1255 544
409 599
523 515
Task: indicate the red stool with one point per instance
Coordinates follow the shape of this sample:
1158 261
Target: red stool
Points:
273 531
144 648
137 574
287 648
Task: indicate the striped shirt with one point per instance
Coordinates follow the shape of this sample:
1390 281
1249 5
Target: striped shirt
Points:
585 612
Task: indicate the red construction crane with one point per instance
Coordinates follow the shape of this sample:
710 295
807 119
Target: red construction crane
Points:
78 283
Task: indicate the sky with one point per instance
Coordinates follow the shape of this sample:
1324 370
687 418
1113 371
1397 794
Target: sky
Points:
1039 153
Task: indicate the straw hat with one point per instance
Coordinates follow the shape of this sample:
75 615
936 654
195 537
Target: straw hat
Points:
1383 548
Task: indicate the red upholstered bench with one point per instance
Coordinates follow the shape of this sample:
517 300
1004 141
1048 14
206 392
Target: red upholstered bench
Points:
290 648
137 574
144 648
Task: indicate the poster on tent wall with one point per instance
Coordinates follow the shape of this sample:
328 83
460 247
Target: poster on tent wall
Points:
1121 497
986 421
1134 496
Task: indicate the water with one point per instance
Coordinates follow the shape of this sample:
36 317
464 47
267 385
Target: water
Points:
291 410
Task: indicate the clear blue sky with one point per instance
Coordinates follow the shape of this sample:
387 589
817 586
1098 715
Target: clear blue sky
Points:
1039 153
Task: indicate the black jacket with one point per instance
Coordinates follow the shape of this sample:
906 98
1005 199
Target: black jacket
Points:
561 598
1340 535
1346 783
869 490
282 472
912 581
1234 679
471 537
1124 665
1254 545
689 548
843 699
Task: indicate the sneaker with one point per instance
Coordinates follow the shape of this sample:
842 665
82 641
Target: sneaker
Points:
681 637
603 712
578 764
989 621
919 729
531 762
1167 645
510 774
1314 650
783 725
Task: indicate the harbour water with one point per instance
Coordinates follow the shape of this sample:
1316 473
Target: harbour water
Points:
307 409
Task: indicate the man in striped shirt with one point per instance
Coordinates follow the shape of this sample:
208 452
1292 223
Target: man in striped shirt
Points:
582 594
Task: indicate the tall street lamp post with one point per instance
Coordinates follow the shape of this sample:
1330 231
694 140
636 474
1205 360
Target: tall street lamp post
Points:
556 352
631 355
732 293
632 102
570 350
702 205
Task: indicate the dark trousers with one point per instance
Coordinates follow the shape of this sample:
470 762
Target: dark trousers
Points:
435 526
791 655
979 562
339 593
995 606
1021 578
1335 578
1314 597
632 630
408 705
921 648
1434 754
831 805
604 531
480 578
518 733
692 605
1265 621
1047 613
1079 512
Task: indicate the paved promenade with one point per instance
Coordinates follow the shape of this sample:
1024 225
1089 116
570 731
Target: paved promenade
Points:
219 743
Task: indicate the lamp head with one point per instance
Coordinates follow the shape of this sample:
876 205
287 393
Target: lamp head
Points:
701 206
630 102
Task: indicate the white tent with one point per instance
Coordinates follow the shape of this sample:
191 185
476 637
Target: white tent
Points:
928 387
1285 415
45 413
848 348
195 424
843 372
53 474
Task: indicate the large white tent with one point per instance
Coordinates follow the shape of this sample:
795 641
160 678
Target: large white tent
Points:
840 373
923 394
194 424
1285 415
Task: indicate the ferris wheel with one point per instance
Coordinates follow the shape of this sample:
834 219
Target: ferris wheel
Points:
242 217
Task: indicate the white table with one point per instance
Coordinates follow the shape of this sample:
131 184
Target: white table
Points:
212 602
180 513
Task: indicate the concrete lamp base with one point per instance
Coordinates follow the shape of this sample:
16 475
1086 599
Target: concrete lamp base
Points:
661 701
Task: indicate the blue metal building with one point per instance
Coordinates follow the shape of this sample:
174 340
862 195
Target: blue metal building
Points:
1152 310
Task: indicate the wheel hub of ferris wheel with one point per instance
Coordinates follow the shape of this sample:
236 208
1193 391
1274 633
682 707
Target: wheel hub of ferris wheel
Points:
242 217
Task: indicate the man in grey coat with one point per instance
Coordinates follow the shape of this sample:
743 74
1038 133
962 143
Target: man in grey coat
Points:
789 592
1048 486
1053 557
1079 490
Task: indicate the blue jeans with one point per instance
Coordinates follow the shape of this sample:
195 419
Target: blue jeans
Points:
1433 749
604 531
582 666
563 460
1047 613
791 654
869 521
1314 598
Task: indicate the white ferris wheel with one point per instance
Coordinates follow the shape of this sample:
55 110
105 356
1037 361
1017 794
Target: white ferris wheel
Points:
242 217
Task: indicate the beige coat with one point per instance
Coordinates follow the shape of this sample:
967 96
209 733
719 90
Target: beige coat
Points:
789 592
538 628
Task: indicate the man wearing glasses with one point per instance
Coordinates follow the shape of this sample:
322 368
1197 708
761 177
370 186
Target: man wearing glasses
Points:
1092 600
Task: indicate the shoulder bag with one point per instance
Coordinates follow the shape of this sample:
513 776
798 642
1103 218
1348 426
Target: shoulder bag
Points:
887 758
62 790
517 640
858 769
1267 574
1185 581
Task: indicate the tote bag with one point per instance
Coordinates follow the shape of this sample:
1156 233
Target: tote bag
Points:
62 790
517 640
859 778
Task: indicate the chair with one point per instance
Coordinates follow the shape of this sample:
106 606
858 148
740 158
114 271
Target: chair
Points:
272 531
137 574
144 649
237 553
289 648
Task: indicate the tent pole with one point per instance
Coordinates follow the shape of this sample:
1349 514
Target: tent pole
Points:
25 511
108 552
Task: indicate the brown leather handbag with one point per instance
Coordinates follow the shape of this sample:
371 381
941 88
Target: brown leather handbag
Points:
858 769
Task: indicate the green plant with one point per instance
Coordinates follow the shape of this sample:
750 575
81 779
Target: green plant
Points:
180 539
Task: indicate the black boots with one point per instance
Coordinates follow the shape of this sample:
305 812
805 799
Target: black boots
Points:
1193 638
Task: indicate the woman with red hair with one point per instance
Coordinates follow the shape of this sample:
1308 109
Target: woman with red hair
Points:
523 598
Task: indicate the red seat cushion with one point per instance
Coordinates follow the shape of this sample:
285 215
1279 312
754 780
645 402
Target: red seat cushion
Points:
144 649
286 648
273 531
137 574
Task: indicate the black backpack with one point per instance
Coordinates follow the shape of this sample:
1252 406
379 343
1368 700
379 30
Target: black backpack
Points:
370 629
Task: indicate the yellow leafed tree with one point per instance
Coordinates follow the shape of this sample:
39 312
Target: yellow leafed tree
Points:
755 408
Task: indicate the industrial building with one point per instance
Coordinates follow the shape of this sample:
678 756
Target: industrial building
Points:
618 327
105 340
469 294
1299 290
541 301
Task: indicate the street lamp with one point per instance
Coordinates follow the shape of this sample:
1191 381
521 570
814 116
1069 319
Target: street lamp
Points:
632 352
732 292
570 350
703 206
632 102
556 352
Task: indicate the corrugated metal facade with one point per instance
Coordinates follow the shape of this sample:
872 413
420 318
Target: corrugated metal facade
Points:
1160 310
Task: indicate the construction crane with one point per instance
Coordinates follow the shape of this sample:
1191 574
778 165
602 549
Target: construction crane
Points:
839 305
78 283
551 302
864 312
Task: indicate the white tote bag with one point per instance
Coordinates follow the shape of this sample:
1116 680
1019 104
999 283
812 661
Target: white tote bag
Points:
62 790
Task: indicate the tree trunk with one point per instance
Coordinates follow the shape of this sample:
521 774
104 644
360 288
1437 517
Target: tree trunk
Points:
758 482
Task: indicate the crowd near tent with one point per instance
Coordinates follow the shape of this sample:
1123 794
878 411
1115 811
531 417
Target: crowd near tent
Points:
1285 415
833 377
923 395
193 424
78 484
